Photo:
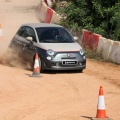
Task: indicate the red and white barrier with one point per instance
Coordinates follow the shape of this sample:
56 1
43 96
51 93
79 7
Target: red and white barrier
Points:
42 12
55 18
47 14
85 38
90 40
109 49
49 2
118 55
100 47
104 47
114 51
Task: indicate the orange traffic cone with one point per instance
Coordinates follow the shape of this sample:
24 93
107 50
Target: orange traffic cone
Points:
101 112
1 34
36 70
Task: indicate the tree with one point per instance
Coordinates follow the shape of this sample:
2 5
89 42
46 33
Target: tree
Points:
99 16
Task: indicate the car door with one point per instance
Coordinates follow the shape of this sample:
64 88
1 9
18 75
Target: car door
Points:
17 41
29 49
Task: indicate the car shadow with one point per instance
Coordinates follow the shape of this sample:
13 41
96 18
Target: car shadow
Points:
62 71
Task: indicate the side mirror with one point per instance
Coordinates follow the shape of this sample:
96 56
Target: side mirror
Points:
29 39
75 38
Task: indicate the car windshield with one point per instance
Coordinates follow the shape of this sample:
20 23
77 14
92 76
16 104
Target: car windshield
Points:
54 35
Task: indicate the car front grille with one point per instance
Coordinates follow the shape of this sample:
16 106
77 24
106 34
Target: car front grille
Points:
68 58
63 56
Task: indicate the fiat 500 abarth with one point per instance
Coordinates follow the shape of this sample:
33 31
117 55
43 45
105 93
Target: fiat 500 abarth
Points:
56 47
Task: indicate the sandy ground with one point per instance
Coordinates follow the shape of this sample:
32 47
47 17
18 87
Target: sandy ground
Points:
57 95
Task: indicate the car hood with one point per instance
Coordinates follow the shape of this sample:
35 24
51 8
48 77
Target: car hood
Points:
60 46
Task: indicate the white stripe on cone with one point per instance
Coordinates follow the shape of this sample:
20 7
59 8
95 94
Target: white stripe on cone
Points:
101 103
36 63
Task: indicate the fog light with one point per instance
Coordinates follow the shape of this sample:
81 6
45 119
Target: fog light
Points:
49 58
57 64
80 64
84 57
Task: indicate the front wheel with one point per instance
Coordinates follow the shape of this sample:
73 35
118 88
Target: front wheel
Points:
40 65
81 71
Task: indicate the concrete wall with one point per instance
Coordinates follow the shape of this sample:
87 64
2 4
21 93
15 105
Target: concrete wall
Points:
46 14
109 49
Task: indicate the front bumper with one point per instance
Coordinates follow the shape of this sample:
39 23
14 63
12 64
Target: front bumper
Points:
64 61
58 65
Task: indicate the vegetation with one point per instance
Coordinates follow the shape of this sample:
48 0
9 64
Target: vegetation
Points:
99 16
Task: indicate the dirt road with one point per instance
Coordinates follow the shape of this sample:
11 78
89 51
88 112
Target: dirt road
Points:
57 95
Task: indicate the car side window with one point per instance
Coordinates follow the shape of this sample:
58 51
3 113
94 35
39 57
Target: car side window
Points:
29 32
21 31
49 34
64 34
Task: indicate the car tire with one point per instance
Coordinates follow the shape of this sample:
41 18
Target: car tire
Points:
80 71
40 65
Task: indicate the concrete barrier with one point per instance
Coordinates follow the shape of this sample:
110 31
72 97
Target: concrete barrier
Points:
114 52
55 18
108 49
100 47
49 15
104 47
48 2
42 12
90 40
85 38
93 42
118 55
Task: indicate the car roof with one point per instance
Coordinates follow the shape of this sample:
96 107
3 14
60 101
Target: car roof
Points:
36 25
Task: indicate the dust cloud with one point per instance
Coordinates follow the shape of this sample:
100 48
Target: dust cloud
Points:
10 57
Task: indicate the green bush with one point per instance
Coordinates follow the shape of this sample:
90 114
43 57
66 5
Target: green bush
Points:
99 16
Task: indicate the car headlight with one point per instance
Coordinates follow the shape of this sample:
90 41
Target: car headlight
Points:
81 51
50 52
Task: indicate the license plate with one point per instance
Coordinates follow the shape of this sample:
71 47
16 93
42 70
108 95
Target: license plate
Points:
69 62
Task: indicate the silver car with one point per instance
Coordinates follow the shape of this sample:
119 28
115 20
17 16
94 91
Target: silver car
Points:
56 47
